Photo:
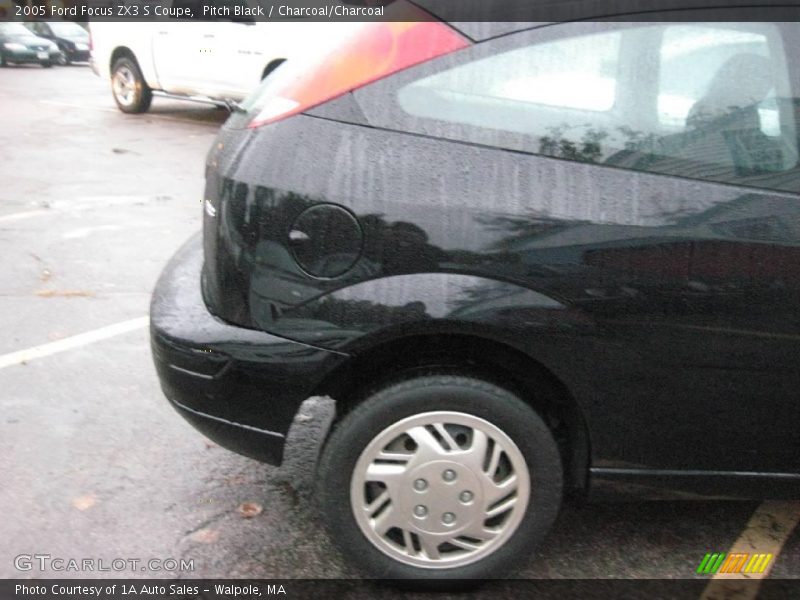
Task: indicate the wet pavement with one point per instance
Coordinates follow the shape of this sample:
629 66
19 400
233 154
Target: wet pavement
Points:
94 462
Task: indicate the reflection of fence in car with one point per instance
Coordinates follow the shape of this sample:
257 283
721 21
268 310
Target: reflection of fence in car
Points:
723 133
748 263
730 147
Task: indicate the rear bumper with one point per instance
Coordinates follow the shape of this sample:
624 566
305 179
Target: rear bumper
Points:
28 56
77 55
239 387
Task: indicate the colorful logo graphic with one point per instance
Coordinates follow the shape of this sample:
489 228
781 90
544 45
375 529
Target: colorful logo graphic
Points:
720 562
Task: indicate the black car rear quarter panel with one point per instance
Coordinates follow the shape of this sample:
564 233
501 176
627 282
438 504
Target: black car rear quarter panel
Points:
637 291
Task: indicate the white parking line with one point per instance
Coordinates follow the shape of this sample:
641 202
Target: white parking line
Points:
23 215
74 105
765 534
148 115
70 343
78 204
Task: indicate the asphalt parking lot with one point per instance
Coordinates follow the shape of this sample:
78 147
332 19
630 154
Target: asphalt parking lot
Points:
94 462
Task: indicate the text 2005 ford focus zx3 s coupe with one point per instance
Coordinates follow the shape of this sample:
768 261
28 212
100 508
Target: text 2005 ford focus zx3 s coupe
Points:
525 262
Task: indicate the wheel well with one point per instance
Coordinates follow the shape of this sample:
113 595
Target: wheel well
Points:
502 364
274 64
120 52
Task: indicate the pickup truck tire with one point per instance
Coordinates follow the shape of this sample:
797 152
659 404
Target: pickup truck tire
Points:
417 449
130 90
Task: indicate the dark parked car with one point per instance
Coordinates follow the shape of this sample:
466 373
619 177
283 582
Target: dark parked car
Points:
527 262
18 45
71 38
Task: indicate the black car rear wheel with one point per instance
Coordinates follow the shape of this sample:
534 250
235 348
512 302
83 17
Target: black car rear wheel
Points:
438 478
46 64
130 90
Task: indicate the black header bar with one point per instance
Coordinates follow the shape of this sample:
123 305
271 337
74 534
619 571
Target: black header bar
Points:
533 11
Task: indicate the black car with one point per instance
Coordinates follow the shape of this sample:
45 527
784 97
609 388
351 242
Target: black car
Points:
71 38
528 261
18 45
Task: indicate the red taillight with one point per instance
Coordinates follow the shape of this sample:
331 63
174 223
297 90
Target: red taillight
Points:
370 53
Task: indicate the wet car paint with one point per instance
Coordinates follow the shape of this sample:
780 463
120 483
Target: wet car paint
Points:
666 306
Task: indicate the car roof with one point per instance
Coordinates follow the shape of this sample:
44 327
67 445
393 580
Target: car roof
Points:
481 19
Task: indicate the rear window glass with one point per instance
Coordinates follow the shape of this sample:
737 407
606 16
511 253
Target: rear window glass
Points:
710 101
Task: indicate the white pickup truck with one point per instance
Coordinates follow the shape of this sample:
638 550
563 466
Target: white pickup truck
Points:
217 61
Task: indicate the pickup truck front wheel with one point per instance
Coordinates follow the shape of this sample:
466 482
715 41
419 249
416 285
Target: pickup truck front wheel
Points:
130 90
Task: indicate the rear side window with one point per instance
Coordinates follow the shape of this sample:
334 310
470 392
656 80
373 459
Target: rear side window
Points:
531 76
710 101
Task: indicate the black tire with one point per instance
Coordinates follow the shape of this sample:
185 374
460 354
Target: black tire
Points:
134 96
46 64
423 394
63 60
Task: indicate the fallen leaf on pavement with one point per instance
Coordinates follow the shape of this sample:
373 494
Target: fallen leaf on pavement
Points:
84 502
205 536
248 510
64 293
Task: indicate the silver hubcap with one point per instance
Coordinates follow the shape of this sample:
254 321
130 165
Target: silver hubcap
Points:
440 489
124 85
